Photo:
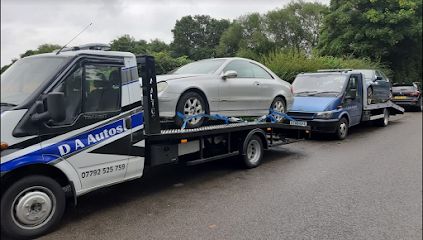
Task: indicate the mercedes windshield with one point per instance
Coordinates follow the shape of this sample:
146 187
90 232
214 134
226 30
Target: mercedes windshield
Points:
26 75
319 84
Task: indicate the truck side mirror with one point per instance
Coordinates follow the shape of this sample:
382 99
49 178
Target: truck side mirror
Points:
378 78
55 108
229 74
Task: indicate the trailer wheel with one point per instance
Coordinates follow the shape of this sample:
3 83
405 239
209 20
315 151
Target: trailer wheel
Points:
31 207
383 122
253 152
342 129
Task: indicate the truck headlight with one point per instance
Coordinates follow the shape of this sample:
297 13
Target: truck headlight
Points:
324 115
161 86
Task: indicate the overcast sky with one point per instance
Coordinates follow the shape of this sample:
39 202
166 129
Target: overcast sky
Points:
25 24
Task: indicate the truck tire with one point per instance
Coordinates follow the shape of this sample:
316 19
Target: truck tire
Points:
31 207
191 103
383 122
252 152
342 129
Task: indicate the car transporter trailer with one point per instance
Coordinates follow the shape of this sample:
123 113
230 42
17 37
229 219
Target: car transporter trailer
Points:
33 199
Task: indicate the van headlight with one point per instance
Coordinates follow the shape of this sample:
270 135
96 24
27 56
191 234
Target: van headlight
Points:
324 115
161 86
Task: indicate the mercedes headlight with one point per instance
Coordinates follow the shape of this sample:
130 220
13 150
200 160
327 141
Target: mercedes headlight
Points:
161 86
324 115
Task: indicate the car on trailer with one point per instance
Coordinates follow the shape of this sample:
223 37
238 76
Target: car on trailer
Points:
73 122
332 101
237 87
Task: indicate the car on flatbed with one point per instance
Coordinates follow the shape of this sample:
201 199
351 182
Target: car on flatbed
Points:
407 95
234 87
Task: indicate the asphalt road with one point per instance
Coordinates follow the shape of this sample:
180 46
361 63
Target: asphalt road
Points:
366 187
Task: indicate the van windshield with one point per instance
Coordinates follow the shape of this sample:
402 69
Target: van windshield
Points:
26 75
319 84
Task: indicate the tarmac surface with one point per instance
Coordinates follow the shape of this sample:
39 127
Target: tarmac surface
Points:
368 186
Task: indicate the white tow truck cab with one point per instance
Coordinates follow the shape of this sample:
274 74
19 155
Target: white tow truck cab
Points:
72 122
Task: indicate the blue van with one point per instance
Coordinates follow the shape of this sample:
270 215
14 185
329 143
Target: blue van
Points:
331 101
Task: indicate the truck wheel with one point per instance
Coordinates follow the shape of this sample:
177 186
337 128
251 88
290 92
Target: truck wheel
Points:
383 122
253 152
342 129
191 103
31 207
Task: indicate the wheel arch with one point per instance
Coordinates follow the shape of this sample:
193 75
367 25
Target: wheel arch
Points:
35 169
346 116
197 90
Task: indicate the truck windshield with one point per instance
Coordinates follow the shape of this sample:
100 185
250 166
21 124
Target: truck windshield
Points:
26 75
319 84
209 66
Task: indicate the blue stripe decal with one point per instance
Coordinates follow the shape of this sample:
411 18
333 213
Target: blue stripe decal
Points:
72 145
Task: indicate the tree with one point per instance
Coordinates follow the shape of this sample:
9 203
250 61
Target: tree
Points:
157 45
296 26
198 36
246 37
389 30
127 43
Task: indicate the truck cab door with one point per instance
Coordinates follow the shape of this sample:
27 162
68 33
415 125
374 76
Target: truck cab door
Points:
353 99
93 138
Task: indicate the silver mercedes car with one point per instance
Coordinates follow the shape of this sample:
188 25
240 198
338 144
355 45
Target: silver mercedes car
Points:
235 87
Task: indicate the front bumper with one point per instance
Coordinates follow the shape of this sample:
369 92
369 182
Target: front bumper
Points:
323 125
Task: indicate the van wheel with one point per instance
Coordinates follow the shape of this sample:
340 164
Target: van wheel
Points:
383 122
191 103
32 207
342 129
252 152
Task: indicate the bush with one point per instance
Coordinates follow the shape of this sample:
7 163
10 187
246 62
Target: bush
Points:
287 64
166 63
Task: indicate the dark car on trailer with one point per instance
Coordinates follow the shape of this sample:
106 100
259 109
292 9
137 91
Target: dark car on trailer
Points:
407 95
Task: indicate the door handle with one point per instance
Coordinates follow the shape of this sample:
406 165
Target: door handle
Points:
256 83
128 123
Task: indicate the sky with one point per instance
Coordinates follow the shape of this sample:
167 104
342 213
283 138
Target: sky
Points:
26 24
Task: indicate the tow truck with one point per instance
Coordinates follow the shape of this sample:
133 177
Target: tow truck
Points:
333 100
80 119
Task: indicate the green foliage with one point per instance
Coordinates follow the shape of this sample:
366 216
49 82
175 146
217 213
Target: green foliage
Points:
388 30
296 27
288 63
166 63
127 43
198 36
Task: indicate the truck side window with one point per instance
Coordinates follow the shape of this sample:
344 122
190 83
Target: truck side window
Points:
102 88
72 89
352 86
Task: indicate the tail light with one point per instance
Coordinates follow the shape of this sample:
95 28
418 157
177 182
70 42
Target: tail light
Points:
415 94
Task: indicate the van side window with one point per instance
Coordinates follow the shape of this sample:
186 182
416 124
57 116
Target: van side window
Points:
71 87
352 86
102 88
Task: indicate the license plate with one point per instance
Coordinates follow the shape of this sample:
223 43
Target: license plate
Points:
400 97
298 123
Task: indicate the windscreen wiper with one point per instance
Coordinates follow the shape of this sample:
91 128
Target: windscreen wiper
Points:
326 92
8 104
305 92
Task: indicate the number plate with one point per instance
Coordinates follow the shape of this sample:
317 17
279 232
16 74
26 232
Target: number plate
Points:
298 123
400 97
